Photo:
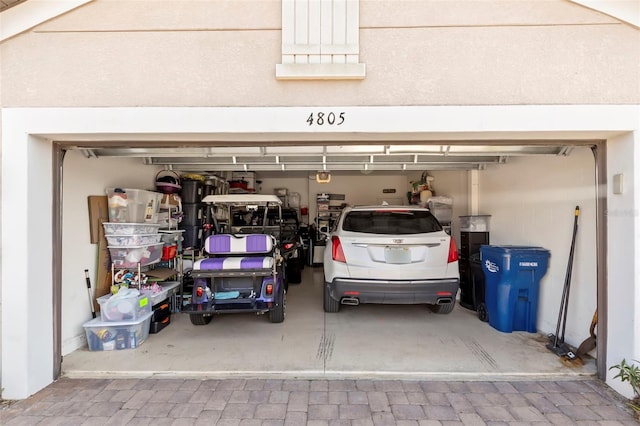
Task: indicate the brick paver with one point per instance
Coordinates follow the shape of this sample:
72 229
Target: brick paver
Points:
318 402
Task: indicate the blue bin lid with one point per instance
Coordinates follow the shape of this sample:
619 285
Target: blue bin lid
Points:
511 249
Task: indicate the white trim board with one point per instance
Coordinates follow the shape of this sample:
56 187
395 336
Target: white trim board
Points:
26 15
394 123
625 10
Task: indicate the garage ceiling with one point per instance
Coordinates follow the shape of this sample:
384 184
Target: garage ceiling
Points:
377 157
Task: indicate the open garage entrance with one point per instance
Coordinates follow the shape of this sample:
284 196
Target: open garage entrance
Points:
529 190
522 215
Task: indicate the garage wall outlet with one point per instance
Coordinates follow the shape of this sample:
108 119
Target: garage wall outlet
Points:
618 181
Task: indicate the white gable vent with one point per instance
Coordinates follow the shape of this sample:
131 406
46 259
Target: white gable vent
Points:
320 40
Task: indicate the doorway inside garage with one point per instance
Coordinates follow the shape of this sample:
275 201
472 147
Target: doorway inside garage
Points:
529 189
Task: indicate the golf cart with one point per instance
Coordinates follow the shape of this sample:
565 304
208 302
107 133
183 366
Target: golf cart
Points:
244 267
291 244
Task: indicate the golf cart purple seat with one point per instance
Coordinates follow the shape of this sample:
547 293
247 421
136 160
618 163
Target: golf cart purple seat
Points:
237 252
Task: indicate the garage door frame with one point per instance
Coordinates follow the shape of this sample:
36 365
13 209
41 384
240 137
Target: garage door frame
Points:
43 126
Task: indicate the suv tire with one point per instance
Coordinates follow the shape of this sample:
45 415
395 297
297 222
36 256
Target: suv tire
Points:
445 308
330 305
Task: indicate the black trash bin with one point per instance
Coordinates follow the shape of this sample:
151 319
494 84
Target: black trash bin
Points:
478 287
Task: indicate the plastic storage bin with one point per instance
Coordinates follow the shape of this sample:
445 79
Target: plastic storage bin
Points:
192 236
125 306
193 214
128 205
169 251
170 291
172 236
512 285
442 208
477 223
133 239
156 326
130 257
108 336
111 228
156 297
161 316
191 191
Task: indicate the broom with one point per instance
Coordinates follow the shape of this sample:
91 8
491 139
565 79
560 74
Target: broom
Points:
556 343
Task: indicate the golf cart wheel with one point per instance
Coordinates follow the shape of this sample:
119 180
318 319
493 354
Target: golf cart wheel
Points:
483 315
277 314
330 305
200 319
284 274
293 272
445 308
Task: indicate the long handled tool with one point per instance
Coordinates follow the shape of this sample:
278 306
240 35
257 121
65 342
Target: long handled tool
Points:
556 342
93 309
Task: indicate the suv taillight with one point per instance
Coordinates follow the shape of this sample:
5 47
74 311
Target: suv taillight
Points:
453 251
336 250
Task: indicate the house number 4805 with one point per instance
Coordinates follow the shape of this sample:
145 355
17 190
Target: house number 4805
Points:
325 119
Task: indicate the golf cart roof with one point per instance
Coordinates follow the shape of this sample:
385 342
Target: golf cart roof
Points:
259 199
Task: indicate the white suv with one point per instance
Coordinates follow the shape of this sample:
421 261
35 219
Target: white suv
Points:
390 254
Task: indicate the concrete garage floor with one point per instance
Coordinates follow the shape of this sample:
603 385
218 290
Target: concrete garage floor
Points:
367 341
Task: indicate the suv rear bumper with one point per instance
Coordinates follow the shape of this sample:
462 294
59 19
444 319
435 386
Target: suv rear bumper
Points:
388 291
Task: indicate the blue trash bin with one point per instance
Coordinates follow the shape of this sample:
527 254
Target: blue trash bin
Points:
512 285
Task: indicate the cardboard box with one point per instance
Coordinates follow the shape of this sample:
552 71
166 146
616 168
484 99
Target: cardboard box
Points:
98 213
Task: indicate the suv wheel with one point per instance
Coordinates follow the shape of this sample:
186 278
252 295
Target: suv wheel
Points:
200 319
445 308
330 305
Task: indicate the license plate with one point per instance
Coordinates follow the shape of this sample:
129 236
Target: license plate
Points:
397 255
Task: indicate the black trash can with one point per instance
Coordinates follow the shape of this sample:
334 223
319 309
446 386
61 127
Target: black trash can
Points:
478 287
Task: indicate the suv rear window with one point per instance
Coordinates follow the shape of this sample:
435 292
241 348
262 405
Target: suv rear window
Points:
391 222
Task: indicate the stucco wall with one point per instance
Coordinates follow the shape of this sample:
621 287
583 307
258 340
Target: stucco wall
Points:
623 157
194 53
